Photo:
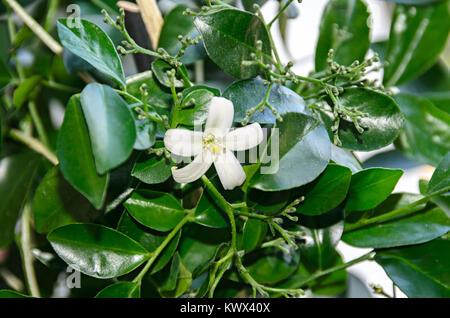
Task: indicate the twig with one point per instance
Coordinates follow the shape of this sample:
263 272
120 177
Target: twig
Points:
33 144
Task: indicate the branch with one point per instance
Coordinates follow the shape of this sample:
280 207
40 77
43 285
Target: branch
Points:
153 19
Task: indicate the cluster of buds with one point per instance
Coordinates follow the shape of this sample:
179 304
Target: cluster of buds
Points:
185 43
292 208
160 152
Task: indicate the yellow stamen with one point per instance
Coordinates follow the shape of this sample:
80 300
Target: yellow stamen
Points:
216 149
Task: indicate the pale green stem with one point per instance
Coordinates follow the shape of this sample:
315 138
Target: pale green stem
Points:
25 242
33 144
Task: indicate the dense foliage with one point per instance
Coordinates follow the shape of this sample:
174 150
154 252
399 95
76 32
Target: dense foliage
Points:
96 192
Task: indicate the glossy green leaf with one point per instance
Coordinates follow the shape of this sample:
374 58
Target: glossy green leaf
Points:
425 137
254 233
344 28
422 226
370 187
266 202
322 234
421 270
153 171
176 24
121 290
12 294
304 153
195 105
93 45
199 245
178 280
441 176
25 90
381 124
230 38
56 203
248 94
111 126
75 156
345 158
5 75
16 176
156 210
160 69
330 190
150 239
271 265
208 213
417 37
96 250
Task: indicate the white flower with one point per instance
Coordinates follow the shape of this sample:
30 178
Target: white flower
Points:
215 145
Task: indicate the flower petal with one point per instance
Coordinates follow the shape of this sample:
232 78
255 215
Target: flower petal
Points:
230 171
244 138
195 170
220 116
183 142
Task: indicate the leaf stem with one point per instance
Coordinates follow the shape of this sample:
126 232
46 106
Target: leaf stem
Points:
287 4
25 243
38 122
161 248
33 144
319 274
37 29
407 210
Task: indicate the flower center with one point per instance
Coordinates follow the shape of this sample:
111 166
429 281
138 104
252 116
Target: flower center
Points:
213 143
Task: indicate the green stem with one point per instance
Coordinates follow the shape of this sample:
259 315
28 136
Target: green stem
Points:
407 210
227 208
60 87
252 215
38 122
34 144
161 248
319 274
280 13
25 242
272 42
51 11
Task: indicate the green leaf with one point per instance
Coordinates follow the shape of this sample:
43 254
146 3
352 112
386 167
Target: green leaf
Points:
230 38
121 290
153 171
344 28
93 45
330 190
111 126
370 187
150 239
248 94
195 105
254 234
207 213
160 69
422 226
56 203
421 270
271 265
175 24
12 294
425 138
381 124
75 156
322 234
301 140
25 89
199 244
16 177
178 281
156 210
5 75
441 176
345 158
417 37
96 250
